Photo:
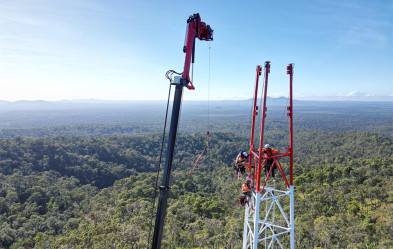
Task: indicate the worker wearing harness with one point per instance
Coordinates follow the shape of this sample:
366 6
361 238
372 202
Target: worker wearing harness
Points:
239 166
246 194
269 151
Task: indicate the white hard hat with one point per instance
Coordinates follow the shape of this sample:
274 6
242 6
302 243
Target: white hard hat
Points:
267 146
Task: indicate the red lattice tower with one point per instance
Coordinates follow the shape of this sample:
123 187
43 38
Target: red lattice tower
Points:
263 226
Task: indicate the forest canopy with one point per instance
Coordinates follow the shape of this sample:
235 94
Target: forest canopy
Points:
85 176
89 192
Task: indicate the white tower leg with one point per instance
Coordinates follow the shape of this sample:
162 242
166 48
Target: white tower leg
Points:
245 228
292 210
256 220
268 225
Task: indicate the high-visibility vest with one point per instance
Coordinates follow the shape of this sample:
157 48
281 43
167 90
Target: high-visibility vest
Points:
241 159
245 187
270 152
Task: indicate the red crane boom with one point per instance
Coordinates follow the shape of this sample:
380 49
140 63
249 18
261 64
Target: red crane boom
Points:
195 29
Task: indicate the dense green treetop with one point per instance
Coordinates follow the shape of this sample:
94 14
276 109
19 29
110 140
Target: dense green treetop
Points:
88 192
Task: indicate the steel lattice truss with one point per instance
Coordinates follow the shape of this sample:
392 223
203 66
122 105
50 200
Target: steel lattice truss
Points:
269 221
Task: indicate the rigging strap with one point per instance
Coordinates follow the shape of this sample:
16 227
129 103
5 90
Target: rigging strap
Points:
199 158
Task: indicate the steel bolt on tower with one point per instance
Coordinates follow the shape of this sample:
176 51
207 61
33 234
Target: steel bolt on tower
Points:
269 222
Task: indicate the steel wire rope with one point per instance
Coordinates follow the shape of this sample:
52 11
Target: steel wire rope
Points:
168 75
208 95
208 125
208 113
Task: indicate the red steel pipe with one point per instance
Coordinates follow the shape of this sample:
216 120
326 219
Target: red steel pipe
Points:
290 114
267 71
254 113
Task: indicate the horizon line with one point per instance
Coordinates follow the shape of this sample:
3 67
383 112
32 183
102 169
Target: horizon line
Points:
303 98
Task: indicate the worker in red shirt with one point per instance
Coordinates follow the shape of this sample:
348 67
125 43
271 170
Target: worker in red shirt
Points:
269 152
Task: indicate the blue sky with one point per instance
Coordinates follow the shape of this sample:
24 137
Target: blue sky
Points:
120 50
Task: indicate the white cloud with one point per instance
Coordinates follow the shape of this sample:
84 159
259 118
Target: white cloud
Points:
365 36
357 93
278 95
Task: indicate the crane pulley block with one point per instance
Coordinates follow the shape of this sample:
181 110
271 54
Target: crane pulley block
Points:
195 29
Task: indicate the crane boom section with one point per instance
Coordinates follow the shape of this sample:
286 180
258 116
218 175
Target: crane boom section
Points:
195 29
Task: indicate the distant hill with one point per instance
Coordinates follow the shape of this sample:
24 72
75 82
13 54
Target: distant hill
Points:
77 117
93 103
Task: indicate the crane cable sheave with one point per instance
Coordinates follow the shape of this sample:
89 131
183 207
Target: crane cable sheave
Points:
195 29
203 31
